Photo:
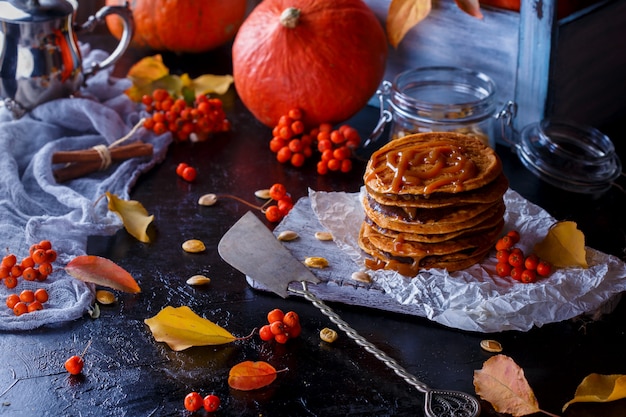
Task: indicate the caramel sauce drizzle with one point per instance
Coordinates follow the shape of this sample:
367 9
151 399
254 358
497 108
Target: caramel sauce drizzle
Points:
431 165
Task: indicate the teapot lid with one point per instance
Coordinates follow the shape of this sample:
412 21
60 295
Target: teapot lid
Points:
34 10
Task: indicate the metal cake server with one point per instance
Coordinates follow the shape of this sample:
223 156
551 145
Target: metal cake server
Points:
251 248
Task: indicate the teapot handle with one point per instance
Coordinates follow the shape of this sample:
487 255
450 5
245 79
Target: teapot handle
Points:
125 13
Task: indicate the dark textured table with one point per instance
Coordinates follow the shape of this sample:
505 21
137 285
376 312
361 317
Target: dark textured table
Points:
127 373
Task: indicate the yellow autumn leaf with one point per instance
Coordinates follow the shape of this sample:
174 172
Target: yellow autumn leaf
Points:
209 83
563 246
134 216
599 388
181 328
402 16
147 70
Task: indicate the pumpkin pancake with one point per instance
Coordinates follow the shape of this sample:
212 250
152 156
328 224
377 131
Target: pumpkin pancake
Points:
429 221
490 193
488 223
410 266
424 163
402 247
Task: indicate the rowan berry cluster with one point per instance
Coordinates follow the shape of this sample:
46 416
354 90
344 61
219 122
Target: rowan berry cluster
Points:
35 267
169 114
512 261
194 402
280 326
284 203
27 301
186 172
292 143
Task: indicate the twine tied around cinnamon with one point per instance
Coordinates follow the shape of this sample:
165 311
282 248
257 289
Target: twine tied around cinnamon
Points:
98 157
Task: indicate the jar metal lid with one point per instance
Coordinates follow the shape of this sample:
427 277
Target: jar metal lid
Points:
570 156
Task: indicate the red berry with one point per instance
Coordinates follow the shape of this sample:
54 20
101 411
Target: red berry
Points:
275 315
503 269
273 214
503 255
528 276
74 365
211 403
189 174
265 333
531 262
277 328
277 191
516 273
180 168
193 401
544 268
516 258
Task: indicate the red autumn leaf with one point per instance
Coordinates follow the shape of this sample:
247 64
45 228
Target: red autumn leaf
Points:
102 271
248 375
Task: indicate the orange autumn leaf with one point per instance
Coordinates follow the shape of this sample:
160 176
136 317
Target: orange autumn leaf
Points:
249 375
599 389
471 7
501 382
102 271
403 15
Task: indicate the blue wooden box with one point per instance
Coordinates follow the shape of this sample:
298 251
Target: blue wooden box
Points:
573 68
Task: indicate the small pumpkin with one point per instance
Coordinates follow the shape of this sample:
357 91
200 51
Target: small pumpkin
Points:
183 26
326 57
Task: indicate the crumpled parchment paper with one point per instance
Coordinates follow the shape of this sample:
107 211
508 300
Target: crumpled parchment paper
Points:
475 299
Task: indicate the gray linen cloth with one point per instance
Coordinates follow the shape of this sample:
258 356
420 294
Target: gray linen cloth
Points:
33 206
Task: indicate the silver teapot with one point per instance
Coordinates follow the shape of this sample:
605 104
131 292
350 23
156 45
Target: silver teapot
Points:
39 55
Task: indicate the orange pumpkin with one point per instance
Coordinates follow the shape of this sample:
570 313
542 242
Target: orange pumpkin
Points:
181 25
326 57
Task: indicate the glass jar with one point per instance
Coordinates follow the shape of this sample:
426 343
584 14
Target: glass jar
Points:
570 156
440 99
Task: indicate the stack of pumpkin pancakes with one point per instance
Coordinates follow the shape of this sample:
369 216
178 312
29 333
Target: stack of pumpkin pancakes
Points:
432 200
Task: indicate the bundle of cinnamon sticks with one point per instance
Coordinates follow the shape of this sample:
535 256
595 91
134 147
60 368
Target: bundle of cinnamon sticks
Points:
83 162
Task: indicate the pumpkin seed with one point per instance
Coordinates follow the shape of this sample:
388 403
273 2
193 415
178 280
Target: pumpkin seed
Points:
207 199
198 280
193 246
362 276
105 297
287 235
323 236
328 335
491 345
316 262
263 194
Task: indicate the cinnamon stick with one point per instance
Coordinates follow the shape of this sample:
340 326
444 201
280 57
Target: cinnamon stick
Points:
86 161
90 155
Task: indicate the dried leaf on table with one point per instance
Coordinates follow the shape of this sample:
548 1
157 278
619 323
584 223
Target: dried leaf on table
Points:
502 382
249 375
402 16
102 271
563 246
134 216
600 389
181 328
